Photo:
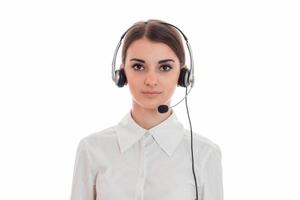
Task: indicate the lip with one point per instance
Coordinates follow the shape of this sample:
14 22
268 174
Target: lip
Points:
151 92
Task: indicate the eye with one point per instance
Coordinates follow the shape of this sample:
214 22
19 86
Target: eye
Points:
137 67
165 68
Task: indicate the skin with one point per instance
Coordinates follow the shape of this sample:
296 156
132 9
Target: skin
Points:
145 73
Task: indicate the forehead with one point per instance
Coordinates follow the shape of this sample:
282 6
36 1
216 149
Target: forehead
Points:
144 48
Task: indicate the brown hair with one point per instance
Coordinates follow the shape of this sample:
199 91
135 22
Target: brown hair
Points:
155 31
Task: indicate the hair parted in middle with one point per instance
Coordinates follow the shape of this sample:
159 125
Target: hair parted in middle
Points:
155 31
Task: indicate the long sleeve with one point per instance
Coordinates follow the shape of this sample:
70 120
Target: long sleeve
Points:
212 173
83 185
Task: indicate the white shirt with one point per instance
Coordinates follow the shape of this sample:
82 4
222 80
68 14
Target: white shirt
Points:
128 162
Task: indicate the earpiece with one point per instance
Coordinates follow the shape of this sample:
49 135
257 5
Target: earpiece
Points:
121 79
183 79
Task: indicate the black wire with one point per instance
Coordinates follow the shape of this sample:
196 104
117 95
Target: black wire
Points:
192 150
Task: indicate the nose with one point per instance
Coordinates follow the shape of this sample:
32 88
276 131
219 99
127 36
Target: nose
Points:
151 79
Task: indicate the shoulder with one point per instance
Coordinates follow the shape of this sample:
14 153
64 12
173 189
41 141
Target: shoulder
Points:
203 146
100 138
201 140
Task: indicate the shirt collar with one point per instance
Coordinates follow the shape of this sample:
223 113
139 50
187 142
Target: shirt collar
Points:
168 134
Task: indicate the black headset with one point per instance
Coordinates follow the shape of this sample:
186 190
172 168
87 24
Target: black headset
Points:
186 78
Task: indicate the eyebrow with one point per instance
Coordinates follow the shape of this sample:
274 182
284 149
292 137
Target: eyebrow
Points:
161 61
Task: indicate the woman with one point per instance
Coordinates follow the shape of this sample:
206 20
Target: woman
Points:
147 154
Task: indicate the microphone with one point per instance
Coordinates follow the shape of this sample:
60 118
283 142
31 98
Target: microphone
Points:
165 108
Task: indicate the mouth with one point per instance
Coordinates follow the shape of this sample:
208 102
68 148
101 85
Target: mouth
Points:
151 93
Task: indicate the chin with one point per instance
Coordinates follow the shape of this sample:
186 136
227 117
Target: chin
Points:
148 105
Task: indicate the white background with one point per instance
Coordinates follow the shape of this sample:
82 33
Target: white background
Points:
56 88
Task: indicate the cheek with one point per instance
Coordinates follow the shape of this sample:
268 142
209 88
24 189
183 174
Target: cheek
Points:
171 90
134 86
170 83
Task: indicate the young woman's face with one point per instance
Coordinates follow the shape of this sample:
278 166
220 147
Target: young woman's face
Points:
152 70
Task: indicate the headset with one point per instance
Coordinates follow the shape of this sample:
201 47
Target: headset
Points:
186 78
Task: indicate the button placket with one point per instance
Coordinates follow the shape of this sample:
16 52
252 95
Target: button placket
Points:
143 167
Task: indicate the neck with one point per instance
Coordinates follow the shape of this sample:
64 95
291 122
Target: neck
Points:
148 118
